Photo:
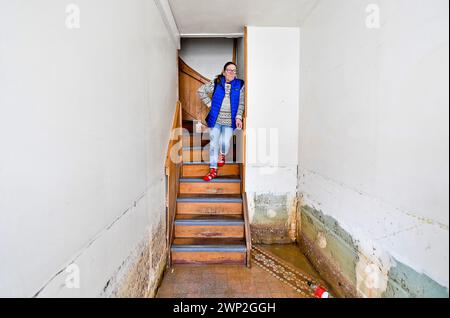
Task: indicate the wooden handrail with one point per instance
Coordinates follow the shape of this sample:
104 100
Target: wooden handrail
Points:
172 176
248 234
183 67
176 123
248 237
199 79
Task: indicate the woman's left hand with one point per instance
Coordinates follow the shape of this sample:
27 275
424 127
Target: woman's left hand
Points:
238 123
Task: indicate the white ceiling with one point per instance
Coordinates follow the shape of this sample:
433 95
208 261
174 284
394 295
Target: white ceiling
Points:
195 17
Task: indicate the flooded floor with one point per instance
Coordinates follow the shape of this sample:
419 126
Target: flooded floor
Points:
277 271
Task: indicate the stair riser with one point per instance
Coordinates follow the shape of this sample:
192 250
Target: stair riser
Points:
201 170
209 208
208 231
192 155
189 141
197 140
202 155
209 258
210 188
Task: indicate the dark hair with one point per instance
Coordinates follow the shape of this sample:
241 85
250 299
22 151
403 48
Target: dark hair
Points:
219 77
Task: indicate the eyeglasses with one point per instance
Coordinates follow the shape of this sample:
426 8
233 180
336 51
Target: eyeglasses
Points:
231 71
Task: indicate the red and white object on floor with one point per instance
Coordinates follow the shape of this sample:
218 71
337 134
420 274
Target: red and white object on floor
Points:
319 291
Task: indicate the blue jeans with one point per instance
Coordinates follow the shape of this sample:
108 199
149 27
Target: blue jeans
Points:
220 137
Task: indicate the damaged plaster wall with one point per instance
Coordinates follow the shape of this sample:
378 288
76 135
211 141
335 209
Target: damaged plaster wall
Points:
272 132
145 270
84 123
373 146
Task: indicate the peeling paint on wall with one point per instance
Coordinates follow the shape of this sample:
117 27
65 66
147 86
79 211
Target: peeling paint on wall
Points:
379 226
335 260
406 282
371 275
355 268
143 277
273 217
136 280
159 259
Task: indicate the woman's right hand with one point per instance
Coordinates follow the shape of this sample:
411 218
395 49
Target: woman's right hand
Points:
239 124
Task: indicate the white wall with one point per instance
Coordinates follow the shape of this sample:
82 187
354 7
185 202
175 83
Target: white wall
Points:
207 55
373 147
272 110
84 117
240 57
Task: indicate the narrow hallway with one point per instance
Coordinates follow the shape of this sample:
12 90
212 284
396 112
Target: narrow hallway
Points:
224 149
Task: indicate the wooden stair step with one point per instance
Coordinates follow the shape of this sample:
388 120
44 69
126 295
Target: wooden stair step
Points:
209 248
201 153
197 153
209 241
209 205
209 220
208 251
199 169
195 140
214 226
225 179
206 196
212 219
220 185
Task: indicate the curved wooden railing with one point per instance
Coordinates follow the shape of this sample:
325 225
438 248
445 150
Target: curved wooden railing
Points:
189 82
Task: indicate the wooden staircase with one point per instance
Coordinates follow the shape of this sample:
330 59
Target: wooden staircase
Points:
210 224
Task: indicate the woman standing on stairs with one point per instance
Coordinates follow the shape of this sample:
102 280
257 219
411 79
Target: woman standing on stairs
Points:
225 115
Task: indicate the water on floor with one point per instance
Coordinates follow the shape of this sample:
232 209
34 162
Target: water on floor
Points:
277 271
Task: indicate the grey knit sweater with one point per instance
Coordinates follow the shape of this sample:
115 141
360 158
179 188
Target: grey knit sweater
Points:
224 117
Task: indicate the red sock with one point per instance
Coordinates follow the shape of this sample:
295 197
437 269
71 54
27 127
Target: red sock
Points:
221 161
211 175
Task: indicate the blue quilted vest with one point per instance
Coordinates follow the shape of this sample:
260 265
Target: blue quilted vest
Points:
217 98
